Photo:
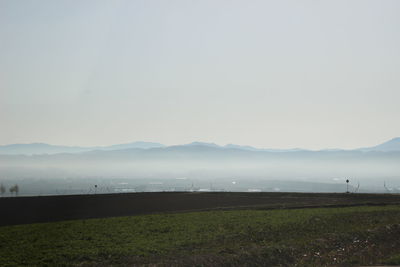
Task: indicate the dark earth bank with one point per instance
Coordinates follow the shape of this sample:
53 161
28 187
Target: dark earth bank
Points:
26 210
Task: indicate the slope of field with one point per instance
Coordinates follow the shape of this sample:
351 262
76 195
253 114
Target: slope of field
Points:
302 237
21 210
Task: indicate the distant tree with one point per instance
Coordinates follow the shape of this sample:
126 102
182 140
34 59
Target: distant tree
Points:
2 189
14 189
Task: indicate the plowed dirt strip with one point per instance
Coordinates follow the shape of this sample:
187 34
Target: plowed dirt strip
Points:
25 210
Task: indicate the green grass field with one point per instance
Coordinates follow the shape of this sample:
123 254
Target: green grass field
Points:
303 237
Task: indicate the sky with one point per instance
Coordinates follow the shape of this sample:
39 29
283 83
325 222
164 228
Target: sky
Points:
273 74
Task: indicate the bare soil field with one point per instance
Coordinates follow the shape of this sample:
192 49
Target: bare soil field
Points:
26 210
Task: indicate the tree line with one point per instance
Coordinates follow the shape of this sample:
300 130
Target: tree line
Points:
13 189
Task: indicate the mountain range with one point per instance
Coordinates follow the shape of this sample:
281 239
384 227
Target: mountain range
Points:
42 148
391 145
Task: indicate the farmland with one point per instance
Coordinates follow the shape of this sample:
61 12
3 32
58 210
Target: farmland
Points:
317 237
279 234
22 210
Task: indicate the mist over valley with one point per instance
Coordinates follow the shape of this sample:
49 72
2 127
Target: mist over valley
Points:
42 169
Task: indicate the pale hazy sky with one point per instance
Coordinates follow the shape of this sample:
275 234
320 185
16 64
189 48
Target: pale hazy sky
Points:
310 74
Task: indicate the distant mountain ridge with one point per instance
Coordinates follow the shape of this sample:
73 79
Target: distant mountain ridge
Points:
38 148
42 148
391 145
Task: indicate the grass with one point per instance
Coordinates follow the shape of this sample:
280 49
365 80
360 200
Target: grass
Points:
304 237
394 260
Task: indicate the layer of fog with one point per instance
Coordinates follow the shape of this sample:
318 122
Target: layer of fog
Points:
202 169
